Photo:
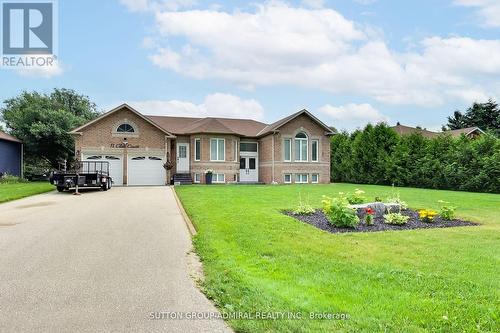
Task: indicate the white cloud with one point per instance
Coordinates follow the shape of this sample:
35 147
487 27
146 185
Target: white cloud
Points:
488 10
152 5
363 113
268 46
214 105
314 3
45 72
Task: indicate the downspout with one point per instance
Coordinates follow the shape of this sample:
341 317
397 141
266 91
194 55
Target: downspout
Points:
273 150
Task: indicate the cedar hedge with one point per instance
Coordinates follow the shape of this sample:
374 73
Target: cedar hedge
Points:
378 155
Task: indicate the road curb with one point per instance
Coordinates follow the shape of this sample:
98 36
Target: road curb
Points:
187 220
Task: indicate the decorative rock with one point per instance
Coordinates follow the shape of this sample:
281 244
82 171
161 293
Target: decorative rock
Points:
379 208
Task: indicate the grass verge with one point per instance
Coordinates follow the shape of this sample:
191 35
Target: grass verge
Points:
14 191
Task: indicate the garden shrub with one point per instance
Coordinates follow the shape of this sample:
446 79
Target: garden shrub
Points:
339 213
357 197
396 218
446 211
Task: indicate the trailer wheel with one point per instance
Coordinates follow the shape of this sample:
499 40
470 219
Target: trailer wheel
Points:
60 189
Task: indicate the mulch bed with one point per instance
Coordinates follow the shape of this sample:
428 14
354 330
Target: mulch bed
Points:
319 220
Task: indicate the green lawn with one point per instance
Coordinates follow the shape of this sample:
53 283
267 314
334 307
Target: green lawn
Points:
15 191
257 259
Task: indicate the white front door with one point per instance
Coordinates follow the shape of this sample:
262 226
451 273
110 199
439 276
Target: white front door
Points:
182 157
145 170
248 168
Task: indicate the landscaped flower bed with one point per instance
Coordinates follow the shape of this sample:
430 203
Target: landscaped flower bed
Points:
348 213
319 220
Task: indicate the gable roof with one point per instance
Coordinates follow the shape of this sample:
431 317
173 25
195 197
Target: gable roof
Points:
276 125
118 108
8 137
406 130
185 125
466 131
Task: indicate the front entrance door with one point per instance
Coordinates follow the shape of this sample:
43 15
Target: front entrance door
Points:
182 157
248 169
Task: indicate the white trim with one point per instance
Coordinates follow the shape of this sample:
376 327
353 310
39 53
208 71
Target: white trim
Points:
197 159
300 176
219 182
199 178
317 178
186 144
284 178
317 150
295 139
217 152
328 130
236 145
289 149
116 124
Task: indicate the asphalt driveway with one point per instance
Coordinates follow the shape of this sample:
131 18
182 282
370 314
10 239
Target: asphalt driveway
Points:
100 262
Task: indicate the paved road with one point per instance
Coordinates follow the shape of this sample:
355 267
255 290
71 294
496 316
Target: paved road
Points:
100 262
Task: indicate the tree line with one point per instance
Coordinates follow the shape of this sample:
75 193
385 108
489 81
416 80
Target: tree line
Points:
378 155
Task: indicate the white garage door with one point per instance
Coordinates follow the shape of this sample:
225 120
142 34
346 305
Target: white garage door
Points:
146 170
115 165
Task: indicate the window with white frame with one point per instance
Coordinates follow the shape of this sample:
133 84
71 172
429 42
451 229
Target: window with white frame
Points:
125 128
248 147
301 178
287 178
218 178
217 149
197 149
301 147
314 178
315 150
197 178
287 150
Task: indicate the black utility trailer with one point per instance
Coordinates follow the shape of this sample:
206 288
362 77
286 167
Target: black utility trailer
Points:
87 174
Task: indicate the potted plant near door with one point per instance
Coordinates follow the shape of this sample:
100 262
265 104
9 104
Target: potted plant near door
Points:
208 176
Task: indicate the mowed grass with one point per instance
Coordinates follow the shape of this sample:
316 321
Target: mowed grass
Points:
9 192
258 260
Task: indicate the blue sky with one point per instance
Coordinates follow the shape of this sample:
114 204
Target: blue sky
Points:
348 61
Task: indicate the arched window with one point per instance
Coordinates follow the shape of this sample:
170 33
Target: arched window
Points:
125 128
301 151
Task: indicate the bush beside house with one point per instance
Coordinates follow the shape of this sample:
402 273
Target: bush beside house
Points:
377 155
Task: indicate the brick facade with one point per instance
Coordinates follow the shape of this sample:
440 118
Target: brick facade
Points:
314 132
101 137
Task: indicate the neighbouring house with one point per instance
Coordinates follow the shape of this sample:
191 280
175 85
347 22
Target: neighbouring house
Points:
11 155
407 130
295 149
470 132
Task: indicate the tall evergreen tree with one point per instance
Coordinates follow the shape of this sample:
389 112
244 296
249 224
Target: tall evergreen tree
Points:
483 115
